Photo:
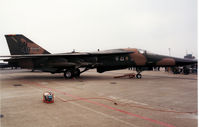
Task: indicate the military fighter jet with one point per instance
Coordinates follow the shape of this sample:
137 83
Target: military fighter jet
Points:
26 54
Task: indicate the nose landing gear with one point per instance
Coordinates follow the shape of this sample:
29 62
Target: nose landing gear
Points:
138 76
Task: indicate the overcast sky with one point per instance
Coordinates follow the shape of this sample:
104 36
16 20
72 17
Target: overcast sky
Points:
86 25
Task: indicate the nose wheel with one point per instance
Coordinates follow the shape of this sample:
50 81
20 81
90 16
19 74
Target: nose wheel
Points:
138 76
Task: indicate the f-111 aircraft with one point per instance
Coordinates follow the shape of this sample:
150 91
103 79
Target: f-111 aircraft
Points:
26 54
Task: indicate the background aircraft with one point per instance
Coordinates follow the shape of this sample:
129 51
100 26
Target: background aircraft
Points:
4 65
26 54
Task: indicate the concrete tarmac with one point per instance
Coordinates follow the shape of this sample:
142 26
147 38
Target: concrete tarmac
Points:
159 99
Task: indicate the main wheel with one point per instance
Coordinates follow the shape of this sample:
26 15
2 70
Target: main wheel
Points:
68 74
77 72
186 71
138 76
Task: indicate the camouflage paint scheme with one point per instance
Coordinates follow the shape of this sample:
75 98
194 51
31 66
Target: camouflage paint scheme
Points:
20 45
26 54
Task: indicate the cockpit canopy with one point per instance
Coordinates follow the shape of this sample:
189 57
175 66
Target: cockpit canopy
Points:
141 51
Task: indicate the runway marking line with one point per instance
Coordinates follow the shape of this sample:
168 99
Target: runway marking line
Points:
108 107
87 108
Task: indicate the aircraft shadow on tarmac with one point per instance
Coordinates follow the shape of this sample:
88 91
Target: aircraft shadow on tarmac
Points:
59 77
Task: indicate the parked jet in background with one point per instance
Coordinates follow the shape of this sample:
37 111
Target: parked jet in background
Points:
8 65
26 54
4 65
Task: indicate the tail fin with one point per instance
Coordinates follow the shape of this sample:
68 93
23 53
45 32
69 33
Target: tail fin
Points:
19 45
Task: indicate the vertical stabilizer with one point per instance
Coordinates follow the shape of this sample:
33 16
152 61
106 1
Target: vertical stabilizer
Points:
20 45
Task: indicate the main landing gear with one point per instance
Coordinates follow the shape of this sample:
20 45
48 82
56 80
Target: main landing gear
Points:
138 75
70 73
